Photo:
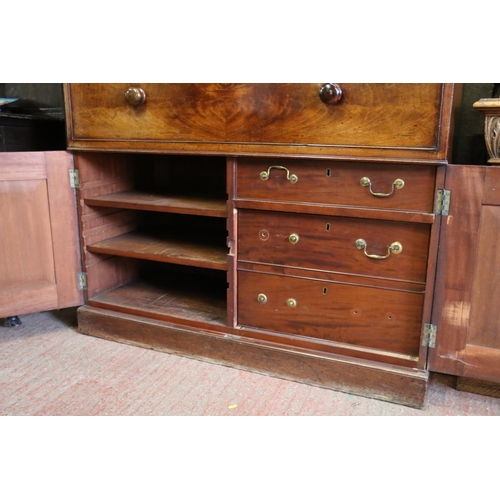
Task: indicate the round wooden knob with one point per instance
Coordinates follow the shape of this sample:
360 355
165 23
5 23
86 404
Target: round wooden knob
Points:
135 96
330 93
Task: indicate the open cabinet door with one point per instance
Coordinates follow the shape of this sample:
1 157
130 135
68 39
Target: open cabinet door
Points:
467 296
39 242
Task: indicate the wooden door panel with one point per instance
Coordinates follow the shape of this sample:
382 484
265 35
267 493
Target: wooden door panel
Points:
455 269
492 187
467 292
39 247
25 215
485 313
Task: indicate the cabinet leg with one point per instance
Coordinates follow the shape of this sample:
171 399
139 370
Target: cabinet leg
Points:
12 321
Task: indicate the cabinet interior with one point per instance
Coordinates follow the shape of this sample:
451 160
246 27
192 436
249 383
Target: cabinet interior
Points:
154 235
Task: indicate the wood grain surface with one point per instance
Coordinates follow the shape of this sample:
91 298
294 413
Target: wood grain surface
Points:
372 120
328 243
382 319
337 183
39 249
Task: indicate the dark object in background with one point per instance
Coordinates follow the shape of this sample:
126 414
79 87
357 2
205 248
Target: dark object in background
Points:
35 121
12 321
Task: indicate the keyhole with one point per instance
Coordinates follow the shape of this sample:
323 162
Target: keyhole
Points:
328 172
328 227
325 290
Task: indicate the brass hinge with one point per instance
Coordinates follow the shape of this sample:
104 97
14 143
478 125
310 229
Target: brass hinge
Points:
442 206
74 178
430 332
82 281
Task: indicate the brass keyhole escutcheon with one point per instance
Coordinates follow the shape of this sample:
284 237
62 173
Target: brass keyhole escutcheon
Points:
293 238
291 303
261 298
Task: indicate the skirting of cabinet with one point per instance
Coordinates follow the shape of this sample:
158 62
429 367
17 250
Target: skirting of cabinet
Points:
482 387
364 378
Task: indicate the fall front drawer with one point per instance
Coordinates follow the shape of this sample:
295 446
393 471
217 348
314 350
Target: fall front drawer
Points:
374 120
325 182
372 317
384 249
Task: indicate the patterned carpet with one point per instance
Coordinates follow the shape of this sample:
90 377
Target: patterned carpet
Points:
47 368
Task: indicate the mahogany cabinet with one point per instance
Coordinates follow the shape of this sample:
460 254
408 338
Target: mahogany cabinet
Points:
289 229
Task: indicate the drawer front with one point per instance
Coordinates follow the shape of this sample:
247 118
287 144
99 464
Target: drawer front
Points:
337 183
374 120
370 317
373 115
332 244
171 112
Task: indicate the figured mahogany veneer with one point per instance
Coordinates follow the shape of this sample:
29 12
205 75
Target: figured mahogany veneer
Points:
371 120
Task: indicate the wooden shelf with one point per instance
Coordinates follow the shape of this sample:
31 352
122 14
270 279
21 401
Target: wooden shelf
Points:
189 250
188 299
141 200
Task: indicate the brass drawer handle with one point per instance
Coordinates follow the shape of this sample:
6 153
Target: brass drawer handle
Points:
397 184
261 298
330 93
395 248
291 303
291 177
293 238
135 96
